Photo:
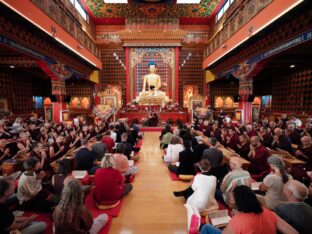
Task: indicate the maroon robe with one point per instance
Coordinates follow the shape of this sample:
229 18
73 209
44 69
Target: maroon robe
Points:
259 162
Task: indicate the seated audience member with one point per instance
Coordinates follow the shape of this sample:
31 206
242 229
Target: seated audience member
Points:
128 150
8 222
113 134
296 122
215 158
295 212
236 177
258 156
224 136
57 149
24 142
186 161
216 132
99 148
39 153
243 147
265 136
4 151
30 193
273 184
165 137
72 216
109 182
199 148
174 148
303 152
4 134
73 141
240 129
34 132
293 135
85 158
62 177
108 141
281 141
201 194
121 161
232 139
250 131
251 217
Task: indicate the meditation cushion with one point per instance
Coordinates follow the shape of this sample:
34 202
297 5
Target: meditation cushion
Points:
186 177
106 206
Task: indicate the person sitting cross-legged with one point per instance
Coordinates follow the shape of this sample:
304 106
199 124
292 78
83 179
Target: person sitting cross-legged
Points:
251 217
109 182
186 161
201 194
72 216
8 223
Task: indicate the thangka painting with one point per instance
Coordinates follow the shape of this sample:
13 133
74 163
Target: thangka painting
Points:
139 58
188 92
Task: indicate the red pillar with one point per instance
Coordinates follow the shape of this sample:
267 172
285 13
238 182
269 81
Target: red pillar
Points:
246 107
177 74
127 76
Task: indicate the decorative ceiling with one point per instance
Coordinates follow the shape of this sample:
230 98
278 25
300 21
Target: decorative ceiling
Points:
101 12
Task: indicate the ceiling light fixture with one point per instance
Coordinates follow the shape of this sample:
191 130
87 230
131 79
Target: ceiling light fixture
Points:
188 1
12 66
116 1
292 65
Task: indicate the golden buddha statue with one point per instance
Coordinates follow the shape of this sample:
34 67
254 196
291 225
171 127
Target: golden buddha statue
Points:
151 95
152 81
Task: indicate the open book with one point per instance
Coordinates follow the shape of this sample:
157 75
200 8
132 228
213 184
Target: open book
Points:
219 218
79 174
255 186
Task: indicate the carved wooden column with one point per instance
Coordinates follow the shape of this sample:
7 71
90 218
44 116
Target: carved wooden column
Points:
245 76
57 72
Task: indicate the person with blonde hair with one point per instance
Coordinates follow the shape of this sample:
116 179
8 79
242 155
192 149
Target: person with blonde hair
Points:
109 182
72 216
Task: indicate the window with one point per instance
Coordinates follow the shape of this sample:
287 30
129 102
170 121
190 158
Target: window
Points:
223 9
79 8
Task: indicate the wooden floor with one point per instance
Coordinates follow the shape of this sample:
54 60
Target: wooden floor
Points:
151 206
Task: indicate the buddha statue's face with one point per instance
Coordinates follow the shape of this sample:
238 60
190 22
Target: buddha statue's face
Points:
152 68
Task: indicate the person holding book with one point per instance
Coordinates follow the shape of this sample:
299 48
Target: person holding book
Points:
251 217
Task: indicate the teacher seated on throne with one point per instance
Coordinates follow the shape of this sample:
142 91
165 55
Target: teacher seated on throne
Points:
153 120
151 81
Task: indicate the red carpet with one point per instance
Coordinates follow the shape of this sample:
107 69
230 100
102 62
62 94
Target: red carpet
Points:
43 217
173 176
151 129
90 203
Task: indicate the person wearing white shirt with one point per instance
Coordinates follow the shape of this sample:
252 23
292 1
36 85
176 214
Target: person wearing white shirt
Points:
201 194
113 134
296 122
174 148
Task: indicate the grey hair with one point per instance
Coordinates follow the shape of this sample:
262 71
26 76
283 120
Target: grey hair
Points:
299 190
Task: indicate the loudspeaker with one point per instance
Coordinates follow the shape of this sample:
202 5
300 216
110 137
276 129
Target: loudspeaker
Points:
251 98
53 98
67 98
236 98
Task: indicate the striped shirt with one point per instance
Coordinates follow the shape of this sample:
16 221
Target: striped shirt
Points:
238 177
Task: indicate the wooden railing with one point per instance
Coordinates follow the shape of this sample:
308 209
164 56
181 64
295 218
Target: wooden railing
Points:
238 14
65 15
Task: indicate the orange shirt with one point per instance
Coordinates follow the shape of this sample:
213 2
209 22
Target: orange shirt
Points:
250 223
